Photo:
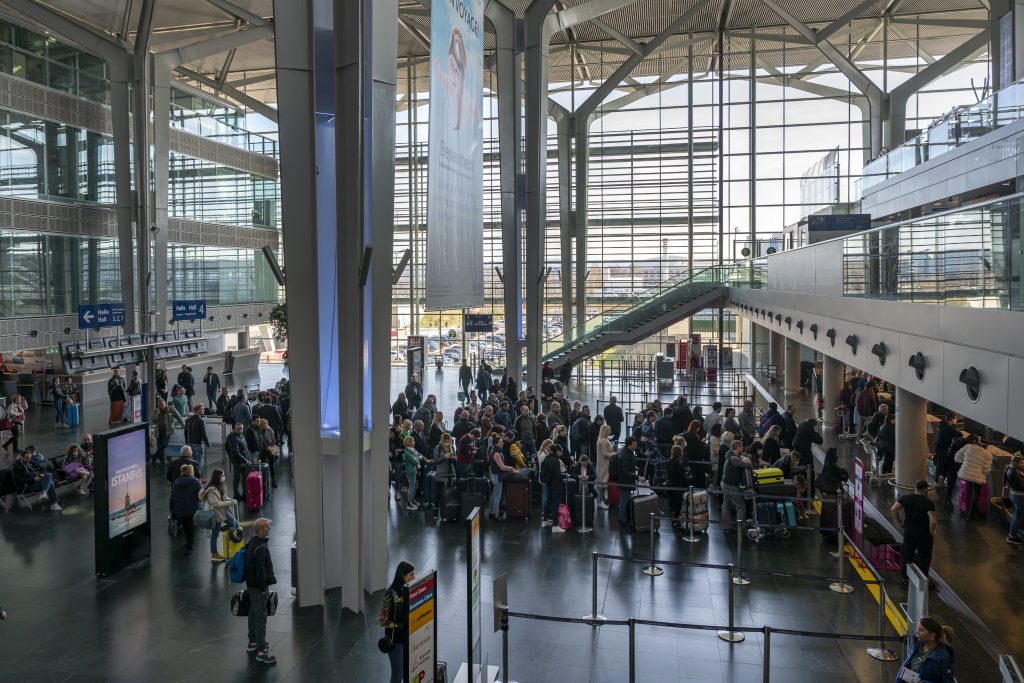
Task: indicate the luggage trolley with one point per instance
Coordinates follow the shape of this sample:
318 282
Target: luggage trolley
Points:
874 474
776 515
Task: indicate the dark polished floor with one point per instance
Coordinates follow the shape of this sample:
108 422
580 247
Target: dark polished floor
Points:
167 619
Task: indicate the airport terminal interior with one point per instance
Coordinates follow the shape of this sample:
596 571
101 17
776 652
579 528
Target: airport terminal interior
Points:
511 340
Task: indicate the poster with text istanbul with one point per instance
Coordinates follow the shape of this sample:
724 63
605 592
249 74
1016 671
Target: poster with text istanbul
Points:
455 269
126 468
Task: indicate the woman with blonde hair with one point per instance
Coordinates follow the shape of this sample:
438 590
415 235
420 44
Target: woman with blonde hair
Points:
604 457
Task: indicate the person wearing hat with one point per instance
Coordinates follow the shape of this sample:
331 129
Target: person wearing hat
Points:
919 527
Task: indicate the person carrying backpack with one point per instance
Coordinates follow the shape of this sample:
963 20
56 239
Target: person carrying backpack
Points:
259 576
396 634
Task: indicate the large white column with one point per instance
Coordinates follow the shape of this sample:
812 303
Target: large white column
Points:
911 438
777 354
831 386
792 366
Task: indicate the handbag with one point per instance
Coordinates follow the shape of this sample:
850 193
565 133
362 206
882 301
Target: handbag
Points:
6 424
386 644
204 519
271 603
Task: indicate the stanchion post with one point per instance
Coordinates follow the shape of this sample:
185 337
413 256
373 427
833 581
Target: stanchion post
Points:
767 630
653 569
881 652
840 586
690 537
731 635
594 616
739 579
632 651
840 550
583 528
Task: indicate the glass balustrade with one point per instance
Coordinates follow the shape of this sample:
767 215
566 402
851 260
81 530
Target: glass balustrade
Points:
957 128
968 257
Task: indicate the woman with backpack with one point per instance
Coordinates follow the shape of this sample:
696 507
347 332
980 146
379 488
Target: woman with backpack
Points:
226 510
396 634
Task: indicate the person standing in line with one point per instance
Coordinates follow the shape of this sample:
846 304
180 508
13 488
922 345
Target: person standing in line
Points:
919 527
526 427
59 401
605 451
931 658
975 463
187 381
212 382
1013 483
226 509
465 378
195 433
185 501
614 418
734 479
626 478
259 577
117 392
164 420
390 619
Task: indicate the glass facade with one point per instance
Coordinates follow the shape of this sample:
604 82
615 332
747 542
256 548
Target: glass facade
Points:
52 274
42 59
204 191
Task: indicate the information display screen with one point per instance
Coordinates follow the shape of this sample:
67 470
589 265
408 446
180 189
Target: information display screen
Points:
126 482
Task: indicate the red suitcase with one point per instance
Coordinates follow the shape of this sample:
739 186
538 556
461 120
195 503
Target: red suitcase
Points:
253 492
965 498
613 495
517 499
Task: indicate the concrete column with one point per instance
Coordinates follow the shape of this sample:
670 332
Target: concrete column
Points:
792 366
831 385
565 228
911 438
777 354
581 131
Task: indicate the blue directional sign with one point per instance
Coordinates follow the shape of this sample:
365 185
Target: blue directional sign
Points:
96 316
189 310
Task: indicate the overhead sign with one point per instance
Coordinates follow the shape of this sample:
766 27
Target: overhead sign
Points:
421 619
96 316
189 310
455 162
479 322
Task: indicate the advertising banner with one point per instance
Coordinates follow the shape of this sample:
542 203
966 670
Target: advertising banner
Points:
473 558
694 362
858 502
455 270
421 653
126 481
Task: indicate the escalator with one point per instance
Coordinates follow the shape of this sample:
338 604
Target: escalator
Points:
647 313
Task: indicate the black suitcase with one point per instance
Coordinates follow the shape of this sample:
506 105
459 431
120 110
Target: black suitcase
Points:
765 514
451 504
640 509
585 507
787 489
481 485
468 501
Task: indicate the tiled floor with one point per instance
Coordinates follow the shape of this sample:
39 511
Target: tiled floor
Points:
168 618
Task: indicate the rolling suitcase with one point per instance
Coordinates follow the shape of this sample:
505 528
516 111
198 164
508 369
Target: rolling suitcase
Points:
253 491
613 495
585 507
231 541
768 475
764 514
784 488
72 414
698 509
640 511
451 504
965 498
786 512
517 499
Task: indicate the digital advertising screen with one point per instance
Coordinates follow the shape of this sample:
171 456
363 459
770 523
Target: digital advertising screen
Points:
126 482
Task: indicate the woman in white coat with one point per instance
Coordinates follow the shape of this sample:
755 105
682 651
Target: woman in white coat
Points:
604 456
975 465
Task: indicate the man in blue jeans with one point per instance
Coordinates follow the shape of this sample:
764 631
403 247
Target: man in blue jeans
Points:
31 476
626 477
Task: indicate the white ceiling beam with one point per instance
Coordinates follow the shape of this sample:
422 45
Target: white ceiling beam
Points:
567 18
252 80
233 93
617 35
928 74
976 24
222 77
214 46
775 37
913 44
841 22
238 12
415 33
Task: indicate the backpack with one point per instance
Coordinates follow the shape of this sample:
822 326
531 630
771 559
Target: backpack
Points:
236 565
766 424
614 466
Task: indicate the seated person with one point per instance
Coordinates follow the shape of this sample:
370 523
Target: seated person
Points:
174 467
78 465
30 477
87 444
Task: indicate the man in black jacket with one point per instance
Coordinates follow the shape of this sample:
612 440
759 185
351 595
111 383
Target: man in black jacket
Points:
185 458
614 418
465 378
195 434
224 403
31 476
627 477
553 480
807 434
259 577
663 433
188 382
269 412
237 453
945 433
682 416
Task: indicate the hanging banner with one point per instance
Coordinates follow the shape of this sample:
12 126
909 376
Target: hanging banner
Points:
455 269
